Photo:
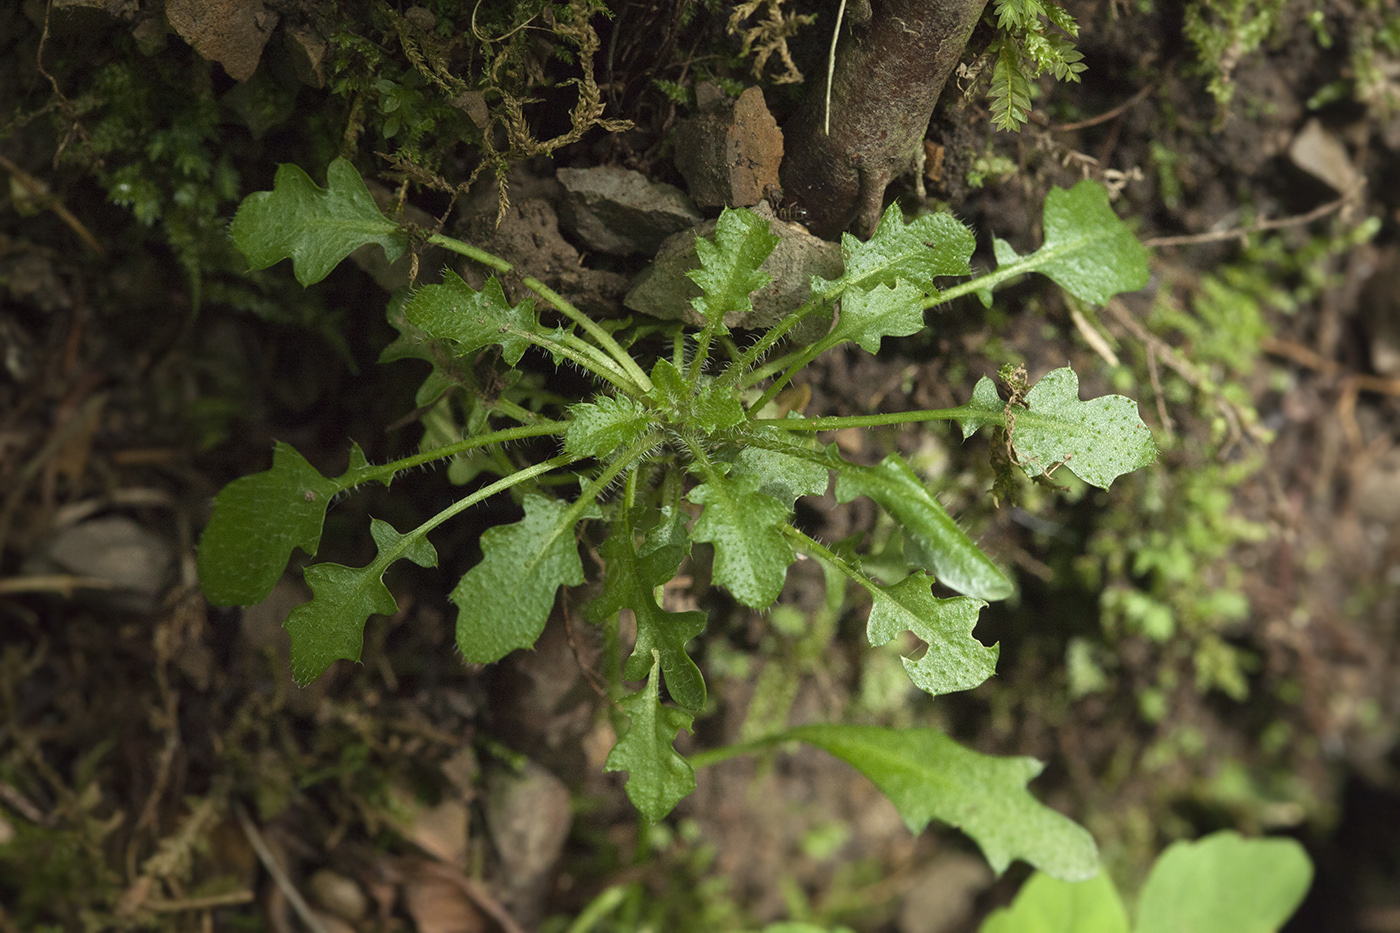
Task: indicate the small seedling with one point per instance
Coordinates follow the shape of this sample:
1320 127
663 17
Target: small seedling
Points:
683 446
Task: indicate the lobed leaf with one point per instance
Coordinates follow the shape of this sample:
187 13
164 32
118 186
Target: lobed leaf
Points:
598 429
504 601
259 520
1224 884
630 583
930 246
729 266
657 777
954 558
986 407
751 554
1097 440
314 227
1088 251
954 660
1048 905
883 311
927 776
331 626
469 319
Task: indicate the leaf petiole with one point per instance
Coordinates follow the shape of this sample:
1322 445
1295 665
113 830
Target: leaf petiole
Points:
836 423
556 301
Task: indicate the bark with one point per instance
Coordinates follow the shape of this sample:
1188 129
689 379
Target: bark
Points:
890 69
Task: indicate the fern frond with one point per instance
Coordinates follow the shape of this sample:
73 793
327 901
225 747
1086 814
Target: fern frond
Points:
1011 88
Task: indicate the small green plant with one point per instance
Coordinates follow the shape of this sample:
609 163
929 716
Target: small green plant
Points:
1035 36
685 445
1220 884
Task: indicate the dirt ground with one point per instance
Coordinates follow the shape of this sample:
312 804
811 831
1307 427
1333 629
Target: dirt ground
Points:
160 770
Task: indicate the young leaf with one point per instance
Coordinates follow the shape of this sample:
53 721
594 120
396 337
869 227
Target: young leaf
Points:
314 227
930 246
729 266
867 316
259 520
927 775
751 554
597 429
717 406
1097 440
1087 249
954 660
657 777
1048 905
630 583
471 319
332 625
1224 884
504 601
957 562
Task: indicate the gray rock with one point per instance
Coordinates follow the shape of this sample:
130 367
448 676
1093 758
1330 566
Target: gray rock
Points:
663 290
135 562
618 211
528 815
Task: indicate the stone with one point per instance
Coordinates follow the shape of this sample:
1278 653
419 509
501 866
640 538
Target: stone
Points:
620 212
134 561
663 290
339 895
230 32
528 815
1323 156
729 155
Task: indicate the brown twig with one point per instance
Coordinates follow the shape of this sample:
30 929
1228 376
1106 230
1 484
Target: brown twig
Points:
1103 117
279 875
40 192
595 681
1240 233
1306 356
207 902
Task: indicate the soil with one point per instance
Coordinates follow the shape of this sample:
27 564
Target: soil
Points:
160 770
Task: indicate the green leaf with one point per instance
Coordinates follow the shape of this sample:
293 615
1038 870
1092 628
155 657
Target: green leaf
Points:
314 227
957 562
1048 905
751 554
657 777
986 407
598 429
954 660
469 319
630 583
1087 249
867 316
259 520
917 252
780 475
1224 884
729 267
1097 440
332 625
927 776
717 406
504 601
668 388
